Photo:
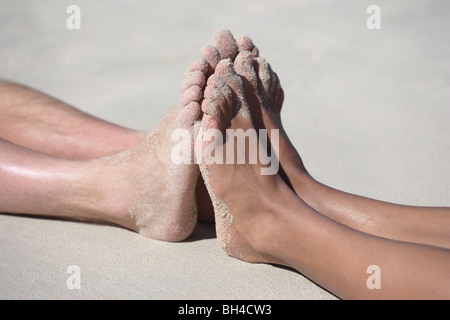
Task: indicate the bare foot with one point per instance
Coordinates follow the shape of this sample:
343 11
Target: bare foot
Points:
265 97
242 197
225 46
264 94
148 192
228 47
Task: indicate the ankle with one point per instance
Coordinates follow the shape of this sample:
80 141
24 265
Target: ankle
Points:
307 188
268 232
127 140
265 238
111 185
136 137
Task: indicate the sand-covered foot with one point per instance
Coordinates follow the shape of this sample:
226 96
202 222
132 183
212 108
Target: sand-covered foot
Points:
246 44
150 189
225 46
265 98
229 47
241 195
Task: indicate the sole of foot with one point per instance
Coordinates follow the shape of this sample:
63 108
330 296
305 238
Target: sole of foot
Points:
241 196
148 192
225 46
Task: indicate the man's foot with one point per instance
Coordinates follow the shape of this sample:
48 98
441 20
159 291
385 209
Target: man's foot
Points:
243 199
149 192
172 215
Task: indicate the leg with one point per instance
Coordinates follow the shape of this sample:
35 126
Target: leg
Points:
142 189
337 257
37 121
397 222
36 183
260 219
34 120
139 189
42 123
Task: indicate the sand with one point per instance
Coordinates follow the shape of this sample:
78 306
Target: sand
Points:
367 109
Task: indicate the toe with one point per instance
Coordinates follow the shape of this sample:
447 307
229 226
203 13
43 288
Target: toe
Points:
244 67
226 44
216 81
189 114
246 44
199 65
210 107
193 94
212 58
264 78
215 103
269 85
193 78
225 69
217 110
227 94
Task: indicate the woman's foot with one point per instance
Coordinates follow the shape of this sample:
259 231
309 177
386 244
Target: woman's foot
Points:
265 97
245 202
225 46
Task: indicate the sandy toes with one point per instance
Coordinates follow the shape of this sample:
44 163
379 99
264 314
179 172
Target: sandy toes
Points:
238 191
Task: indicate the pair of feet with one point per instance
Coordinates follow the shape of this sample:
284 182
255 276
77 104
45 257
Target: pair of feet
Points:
229 87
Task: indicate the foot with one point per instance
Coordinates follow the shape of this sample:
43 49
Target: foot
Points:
265 97
151 194
263 91
243 199
225 46
228 47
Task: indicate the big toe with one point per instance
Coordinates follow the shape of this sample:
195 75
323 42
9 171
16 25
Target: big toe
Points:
246 44
218 102
225 69
212 57
226 44
244 67
193 78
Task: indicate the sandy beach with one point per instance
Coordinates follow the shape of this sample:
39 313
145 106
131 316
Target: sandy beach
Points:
368 111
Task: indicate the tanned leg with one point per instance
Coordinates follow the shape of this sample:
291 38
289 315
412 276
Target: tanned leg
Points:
393 221
260 219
